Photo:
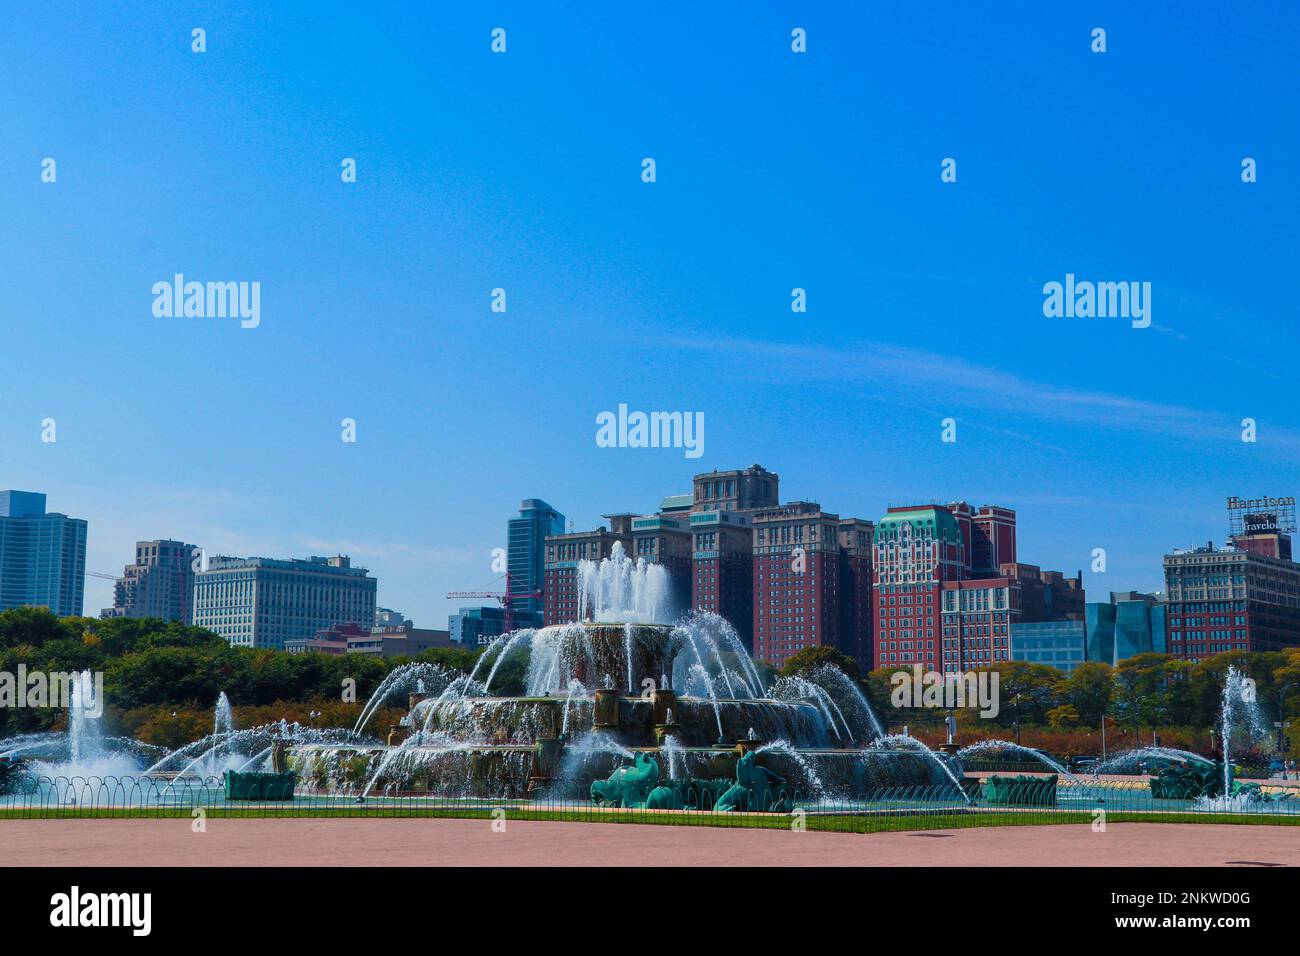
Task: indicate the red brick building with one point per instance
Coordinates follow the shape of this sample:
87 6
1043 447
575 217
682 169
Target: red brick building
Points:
800 580
1245 597
949 589
857 540
560 569
917 550
665 539
722 568
979 613
723 504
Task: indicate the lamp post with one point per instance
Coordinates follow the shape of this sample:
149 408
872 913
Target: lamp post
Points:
1281 717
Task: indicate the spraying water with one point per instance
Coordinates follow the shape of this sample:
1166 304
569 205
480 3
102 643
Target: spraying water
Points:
627 652
905 742
849 699
84 714
576 690
1239 711
818 789
507 644
986 746
673 754
618 590
797 688
400 680
1145 755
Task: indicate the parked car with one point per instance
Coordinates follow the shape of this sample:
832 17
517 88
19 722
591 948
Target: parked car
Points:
1276 766
1083 765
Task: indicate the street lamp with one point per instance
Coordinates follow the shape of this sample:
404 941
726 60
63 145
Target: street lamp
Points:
1281 718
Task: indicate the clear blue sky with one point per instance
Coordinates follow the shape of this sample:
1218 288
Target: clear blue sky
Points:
522 171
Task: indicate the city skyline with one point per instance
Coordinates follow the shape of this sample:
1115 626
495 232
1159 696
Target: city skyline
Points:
775 172
602 521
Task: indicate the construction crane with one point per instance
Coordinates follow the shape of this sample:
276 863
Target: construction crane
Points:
505 597
101 574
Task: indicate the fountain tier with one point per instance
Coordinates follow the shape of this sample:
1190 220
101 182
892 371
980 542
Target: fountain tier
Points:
601 655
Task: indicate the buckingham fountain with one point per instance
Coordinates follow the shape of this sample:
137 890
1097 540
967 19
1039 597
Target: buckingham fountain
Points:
617 705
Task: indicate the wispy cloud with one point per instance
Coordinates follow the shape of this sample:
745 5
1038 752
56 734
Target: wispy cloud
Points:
396 551
904 370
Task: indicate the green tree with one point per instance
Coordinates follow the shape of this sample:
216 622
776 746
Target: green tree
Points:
34 626
810 658
1063 716
1088 690
1151 690
1026 692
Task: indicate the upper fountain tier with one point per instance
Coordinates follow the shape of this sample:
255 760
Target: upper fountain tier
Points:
600 655
618 590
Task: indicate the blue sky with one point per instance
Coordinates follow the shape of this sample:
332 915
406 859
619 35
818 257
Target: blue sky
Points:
522 171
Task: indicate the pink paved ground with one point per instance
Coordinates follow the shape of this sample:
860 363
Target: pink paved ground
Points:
417 842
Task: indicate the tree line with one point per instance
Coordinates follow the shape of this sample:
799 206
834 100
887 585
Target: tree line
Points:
151 663
1149 690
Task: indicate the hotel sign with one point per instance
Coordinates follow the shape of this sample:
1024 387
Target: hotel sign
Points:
1250 504
1262 515
1260 524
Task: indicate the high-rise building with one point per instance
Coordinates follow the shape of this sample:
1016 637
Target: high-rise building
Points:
917 550
744 489
988 535
981 614
264 602
565 551
722 568
160 584
526 558
42 555
1232 599
665 540
950 575
472 627
857 543
797 582
722 508
978 617
1130 624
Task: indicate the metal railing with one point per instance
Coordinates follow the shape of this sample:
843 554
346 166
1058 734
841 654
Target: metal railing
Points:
885 808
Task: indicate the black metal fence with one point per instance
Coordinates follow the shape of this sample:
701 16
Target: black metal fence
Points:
977 803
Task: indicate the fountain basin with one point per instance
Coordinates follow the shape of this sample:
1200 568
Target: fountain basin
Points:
631 721
599 655
513 771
